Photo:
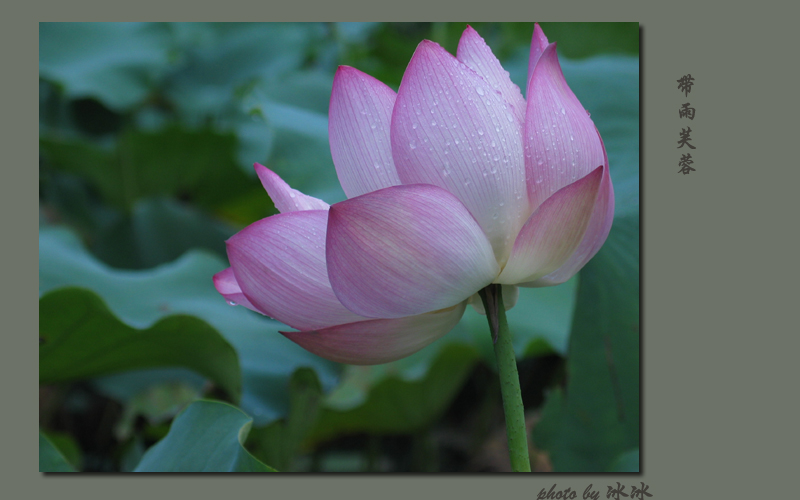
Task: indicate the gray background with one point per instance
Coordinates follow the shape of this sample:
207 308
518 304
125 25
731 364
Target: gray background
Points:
718 266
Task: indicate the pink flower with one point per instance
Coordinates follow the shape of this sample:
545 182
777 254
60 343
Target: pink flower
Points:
454 182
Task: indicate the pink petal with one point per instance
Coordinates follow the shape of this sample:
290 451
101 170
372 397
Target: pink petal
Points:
473 51
284 197
562 144
538 44
450 129
359 119
279 263
553 232
510 297
596 234
226 284
406 250
380 340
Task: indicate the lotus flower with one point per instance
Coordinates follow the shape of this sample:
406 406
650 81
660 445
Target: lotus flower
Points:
454 182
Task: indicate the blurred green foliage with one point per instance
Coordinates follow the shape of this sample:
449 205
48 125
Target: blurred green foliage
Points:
148 133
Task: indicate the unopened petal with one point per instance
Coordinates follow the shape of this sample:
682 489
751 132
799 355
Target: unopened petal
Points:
593 239
553 232
380 340
279 263
538 44
451 129
284 197
226 284
473 51
562 144
406 250
358 126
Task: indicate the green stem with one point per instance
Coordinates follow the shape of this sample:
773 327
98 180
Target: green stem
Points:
492 297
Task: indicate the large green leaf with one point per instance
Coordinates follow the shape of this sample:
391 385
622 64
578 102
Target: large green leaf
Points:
596 418
206 437
80 338
50 458
379 400
158 231
117 63
197 164
142 298
218 58
279 442
627 462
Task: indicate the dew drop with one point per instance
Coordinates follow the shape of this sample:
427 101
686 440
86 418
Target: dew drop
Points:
232 303
479 90
291 194
412 145
433 123
414 125
480 131
373 126
563 111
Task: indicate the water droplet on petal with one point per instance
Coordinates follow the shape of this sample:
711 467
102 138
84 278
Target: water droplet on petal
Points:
563 111
479 90
412 145
232 303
